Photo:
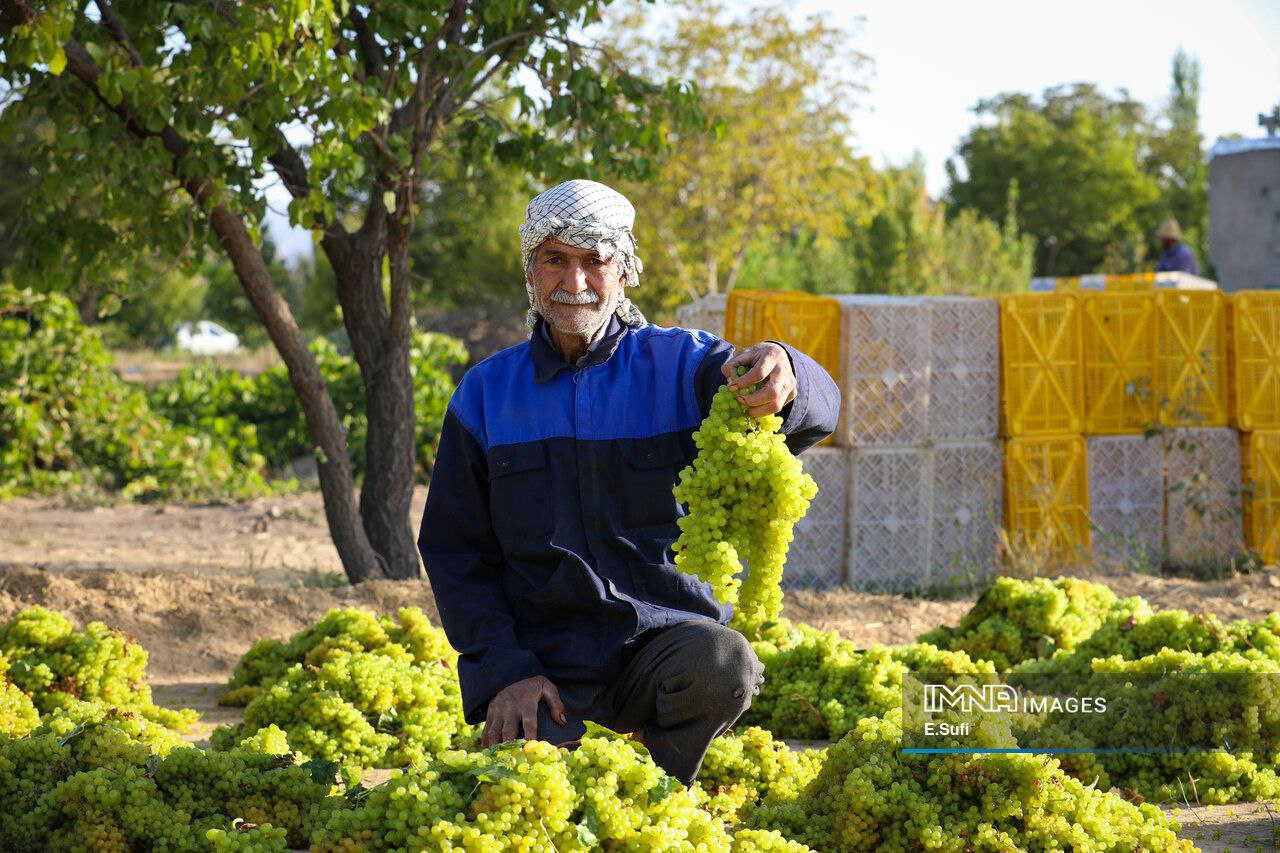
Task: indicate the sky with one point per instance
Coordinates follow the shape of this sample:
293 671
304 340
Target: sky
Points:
933 60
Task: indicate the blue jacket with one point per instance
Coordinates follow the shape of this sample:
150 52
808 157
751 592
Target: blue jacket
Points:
549 521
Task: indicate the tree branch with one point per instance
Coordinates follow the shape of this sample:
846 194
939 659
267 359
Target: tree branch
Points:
371 57
112 24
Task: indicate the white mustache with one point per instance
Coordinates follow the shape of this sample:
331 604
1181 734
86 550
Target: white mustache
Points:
586 297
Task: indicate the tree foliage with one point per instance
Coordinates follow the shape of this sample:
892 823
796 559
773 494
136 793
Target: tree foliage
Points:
1096 173
167 120
1077 156
780 163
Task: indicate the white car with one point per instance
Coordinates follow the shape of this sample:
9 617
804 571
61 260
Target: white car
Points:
206 337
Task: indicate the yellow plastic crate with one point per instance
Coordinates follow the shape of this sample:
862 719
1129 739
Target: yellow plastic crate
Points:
1119 336
1134 282
1047 494
1191 353
1261 475
809 323
1255 360
1042 392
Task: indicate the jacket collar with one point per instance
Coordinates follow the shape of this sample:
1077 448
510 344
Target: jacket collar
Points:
548 362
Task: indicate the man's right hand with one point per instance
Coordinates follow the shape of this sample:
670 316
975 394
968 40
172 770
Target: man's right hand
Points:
516 707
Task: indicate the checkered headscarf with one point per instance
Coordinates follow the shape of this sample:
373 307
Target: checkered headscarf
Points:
586 215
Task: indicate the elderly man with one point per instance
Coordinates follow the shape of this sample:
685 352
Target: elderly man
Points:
1177 256
548 528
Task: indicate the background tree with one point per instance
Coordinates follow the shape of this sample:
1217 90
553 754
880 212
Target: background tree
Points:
781 163
1178 159
1078 158
171 117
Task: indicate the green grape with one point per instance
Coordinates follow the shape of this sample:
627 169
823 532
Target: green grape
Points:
743 770
58 667
744 491
18 716
529 795
870 796
248 838
1017 620
362 709
818 686
411 638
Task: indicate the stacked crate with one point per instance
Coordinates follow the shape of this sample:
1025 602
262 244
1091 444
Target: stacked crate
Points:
706 314
919 386
964 403
815 558
1042 416
1255 410
1125 461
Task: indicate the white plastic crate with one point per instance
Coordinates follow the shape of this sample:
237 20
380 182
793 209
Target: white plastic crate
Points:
967 498
1126 499
888 519
1203 506
815 559
964 369
706 313
884 371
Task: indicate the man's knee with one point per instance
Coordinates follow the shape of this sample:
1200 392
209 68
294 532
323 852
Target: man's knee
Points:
727 668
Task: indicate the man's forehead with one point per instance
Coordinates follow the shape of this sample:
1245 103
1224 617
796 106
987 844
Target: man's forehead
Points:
554 246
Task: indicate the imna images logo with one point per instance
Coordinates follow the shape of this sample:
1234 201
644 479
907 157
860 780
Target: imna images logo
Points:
968 698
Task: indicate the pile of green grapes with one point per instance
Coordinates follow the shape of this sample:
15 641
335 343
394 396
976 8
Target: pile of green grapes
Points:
529 795
818 686
49 668
1017 620
745 491
101 787
357 689
871 796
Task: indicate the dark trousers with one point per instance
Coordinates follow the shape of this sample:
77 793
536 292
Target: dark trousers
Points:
685 687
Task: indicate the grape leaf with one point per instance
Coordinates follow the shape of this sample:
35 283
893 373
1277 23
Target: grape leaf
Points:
663 789
322 772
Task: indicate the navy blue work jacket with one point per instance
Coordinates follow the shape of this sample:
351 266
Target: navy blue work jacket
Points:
549 521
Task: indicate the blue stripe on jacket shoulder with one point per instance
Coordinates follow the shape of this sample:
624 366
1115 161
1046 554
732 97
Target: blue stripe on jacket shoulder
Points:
645 388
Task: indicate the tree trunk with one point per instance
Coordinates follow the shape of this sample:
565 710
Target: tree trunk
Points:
87 304
359 558
380 343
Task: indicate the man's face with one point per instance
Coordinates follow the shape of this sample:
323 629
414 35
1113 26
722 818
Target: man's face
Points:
1168 242
574 289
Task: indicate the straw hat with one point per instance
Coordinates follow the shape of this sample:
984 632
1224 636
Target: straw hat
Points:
1169 230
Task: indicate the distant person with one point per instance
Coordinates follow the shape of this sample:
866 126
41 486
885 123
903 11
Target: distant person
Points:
1177 256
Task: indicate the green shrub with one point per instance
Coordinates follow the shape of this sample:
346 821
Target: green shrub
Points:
262 415
67 421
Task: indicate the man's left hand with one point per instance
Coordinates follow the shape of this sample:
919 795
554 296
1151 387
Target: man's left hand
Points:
768 364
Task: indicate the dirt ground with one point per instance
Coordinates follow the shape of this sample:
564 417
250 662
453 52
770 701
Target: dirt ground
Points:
196 585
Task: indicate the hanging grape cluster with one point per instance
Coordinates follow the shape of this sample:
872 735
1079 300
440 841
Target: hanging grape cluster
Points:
745 491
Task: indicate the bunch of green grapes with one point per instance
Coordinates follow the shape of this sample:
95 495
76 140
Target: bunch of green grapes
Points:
1223 705
745 492
761 840
248 838
18 716
871 796
1135 635
98 788
818 686
746 769
361 709
56 665
1016 620
529 795
411 637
